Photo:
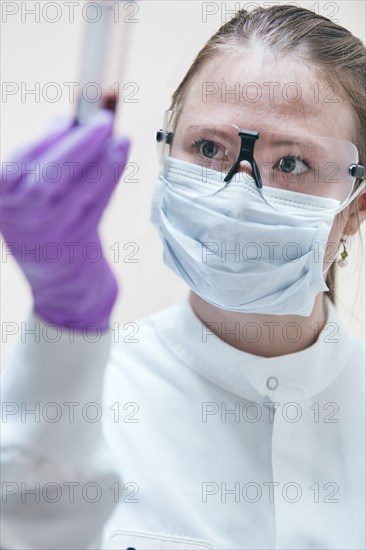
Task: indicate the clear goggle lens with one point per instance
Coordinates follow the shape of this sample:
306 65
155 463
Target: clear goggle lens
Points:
306 164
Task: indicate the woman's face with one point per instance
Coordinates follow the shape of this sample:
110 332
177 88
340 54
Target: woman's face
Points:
255 91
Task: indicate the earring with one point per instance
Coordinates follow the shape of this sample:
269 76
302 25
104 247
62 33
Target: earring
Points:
343 261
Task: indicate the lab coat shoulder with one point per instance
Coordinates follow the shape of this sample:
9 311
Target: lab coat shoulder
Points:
353 375
142 360
344 353
358 357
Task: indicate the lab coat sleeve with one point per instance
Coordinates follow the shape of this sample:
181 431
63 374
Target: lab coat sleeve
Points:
58 478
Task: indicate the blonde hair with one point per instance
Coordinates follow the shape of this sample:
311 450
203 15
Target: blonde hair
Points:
339 57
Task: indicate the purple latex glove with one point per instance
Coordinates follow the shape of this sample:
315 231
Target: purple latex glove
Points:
50 218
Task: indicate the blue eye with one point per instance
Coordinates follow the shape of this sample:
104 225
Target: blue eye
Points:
292 165
209 149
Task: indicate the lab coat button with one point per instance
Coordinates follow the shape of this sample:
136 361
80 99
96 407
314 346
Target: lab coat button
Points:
272 383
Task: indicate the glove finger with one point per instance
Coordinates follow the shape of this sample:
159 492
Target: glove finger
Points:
85 207
87 200
12 170
61 167
112 164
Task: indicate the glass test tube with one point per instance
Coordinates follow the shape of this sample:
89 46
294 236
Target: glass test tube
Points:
104 56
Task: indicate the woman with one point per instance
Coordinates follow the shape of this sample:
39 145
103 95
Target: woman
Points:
236 419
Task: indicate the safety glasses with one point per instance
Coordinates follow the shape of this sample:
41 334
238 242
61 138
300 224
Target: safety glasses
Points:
304 164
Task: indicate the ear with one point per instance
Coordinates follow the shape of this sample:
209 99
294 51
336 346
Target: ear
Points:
354 221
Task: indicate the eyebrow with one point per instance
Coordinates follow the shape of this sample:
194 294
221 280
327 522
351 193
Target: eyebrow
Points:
315 144
286 142
208 129
221 133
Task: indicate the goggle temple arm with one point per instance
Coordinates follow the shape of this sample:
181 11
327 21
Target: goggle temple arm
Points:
357 171
166 137
354 195
247 143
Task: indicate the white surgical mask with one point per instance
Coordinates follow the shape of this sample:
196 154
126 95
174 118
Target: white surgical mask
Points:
236 251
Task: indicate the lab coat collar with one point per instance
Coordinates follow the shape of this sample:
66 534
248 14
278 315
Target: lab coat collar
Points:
291 377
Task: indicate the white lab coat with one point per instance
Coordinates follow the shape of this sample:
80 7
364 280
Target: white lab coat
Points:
204 446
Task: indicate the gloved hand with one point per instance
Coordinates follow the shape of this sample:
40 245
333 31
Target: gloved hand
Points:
53 197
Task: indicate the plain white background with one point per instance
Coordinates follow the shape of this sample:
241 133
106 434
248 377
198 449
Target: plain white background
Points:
165 39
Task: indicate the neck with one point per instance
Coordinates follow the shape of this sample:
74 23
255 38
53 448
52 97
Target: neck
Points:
259 334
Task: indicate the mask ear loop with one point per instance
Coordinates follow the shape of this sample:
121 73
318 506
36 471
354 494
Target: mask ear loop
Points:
247 142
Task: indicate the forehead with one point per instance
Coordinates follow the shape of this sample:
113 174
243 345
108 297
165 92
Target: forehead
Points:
258 91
